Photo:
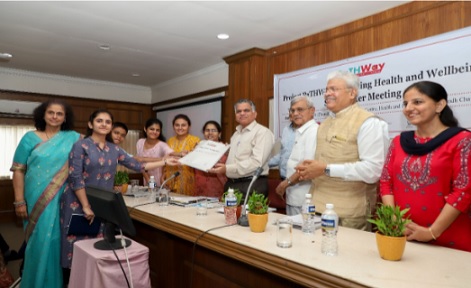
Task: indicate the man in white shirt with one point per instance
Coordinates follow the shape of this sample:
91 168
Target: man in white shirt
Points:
251 145
302 111
351 148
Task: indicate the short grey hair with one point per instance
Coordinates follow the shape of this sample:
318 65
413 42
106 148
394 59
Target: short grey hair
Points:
244 101
352 80
300 98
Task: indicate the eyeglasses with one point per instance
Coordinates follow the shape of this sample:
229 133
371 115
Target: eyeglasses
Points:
243 110
211 130
334 89
299 110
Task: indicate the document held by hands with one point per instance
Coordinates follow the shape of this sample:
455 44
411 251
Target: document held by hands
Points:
205 155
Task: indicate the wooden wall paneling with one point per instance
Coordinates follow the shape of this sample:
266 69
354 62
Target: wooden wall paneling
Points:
258 93
133 114
465 10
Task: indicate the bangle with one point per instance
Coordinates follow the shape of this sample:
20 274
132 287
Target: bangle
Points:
433 236
19 203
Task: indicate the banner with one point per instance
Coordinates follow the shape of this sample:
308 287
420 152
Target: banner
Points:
384 74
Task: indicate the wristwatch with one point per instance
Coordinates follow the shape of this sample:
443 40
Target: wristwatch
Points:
327 171
289 181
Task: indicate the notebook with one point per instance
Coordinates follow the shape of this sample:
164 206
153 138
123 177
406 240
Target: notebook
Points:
80 226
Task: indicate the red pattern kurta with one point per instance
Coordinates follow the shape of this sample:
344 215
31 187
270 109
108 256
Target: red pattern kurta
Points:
426 183
209 184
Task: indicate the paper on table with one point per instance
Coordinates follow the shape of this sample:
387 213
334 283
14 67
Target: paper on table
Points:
297 220
191 200
205 155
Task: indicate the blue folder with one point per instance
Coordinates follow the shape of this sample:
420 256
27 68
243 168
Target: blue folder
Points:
80 226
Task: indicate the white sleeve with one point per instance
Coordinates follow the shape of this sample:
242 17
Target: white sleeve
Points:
373 143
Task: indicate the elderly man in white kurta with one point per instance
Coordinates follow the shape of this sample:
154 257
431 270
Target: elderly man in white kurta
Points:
302 112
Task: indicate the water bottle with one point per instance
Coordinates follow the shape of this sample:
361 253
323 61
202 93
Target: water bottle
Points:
330 223
151 184
308 213
230 207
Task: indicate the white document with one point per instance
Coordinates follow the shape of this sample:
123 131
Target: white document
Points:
205 155
297 220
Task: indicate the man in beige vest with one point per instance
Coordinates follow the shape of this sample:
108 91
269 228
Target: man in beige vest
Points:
351 147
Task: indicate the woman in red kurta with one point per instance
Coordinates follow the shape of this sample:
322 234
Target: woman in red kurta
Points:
207 184
429 170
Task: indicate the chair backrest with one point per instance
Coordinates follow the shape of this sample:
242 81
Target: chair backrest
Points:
275 200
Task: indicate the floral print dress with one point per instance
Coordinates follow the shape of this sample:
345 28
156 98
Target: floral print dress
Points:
88 165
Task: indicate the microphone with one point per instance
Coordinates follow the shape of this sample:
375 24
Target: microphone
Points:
243 220
171 177
161 198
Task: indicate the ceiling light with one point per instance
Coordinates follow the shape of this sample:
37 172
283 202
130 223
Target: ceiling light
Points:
105 47
223 36
135 74
5 56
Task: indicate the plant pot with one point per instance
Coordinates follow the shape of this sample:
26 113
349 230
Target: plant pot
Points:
257 222
390 248
121 188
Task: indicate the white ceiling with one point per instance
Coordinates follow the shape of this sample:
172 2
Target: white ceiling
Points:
160 40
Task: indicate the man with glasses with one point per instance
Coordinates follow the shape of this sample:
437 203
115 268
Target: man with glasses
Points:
351 147
251 145
302 114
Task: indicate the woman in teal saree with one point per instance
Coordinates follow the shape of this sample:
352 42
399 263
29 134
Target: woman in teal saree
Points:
40 171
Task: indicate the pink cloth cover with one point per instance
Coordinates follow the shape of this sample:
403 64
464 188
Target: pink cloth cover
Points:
97 268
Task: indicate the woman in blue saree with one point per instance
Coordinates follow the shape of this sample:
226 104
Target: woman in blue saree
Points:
40 170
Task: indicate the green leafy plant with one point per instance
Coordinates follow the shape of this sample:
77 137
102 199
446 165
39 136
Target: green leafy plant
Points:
121 177
390 220
258 203
238 195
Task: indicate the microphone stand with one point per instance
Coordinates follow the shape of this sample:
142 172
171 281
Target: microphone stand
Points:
159 197
243 220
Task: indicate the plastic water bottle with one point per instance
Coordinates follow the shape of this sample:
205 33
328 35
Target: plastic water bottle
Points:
230 207
330 223
308 213
151 184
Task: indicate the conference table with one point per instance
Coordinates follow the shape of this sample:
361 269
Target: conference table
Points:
233 256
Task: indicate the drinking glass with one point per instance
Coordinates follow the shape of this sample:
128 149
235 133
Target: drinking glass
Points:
284 233
202 209
134 185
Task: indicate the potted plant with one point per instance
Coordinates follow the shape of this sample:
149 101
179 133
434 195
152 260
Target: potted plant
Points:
239 196
121 179
391 222
257 212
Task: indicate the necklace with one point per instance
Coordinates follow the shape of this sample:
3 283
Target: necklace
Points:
47 135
